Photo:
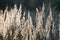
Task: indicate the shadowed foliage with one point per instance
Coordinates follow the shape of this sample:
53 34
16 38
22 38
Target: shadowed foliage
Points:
27 4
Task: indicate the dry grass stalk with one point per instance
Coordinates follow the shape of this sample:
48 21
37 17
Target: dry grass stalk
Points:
12 23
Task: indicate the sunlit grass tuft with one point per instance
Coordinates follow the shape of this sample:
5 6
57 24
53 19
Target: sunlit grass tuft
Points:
13 27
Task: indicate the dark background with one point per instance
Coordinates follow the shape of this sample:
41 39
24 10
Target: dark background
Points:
28 4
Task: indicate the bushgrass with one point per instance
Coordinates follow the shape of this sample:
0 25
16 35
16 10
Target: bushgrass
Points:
13 27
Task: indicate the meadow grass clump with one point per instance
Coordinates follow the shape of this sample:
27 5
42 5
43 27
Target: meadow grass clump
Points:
14 26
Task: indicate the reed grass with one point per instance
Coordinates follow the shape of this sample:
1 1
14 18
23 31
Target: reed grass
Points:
13 27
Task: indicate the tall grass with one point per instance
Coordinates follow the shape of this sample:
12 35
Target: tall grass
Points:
13 27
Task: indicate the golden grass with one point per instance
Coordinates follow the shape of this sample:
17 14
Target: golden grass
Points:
12 27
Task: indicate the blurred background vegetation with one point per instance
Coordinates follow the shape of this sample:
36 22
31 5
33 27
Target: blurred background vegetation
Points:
29 4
